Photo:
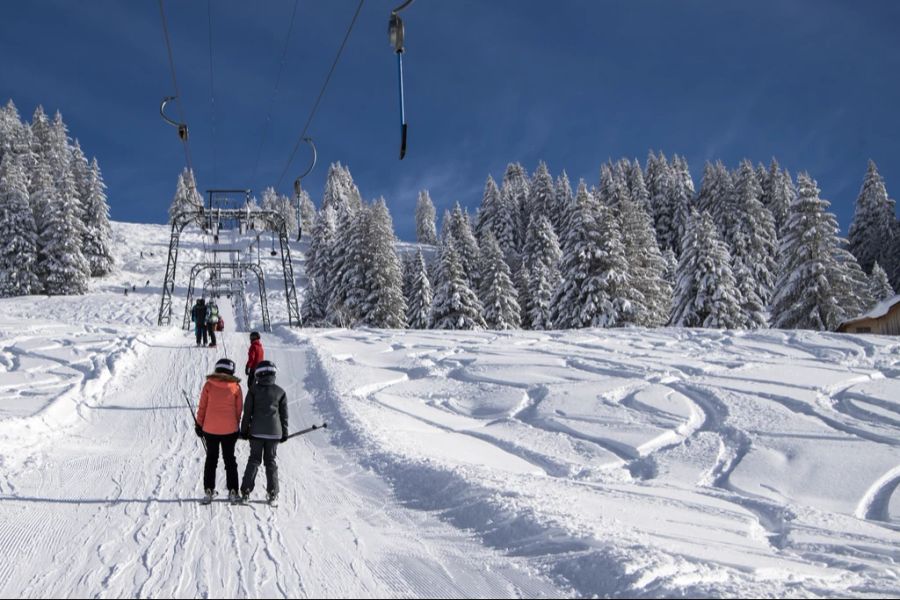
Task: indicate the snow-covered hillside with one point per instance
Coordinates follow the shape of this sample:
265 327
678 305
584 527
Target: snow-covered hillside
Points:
626 462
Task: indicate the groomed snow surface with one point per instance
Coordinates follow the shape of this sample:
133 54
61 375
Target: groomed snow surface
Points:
504 464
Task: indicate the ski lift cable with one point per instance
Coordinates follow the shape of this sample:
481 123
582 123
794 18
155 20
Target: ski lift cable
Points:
268 119
182 127
315 107
212 94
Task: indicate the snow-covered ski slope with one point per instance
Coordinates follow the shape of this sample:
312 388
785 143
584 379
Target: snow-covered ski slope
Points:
600 462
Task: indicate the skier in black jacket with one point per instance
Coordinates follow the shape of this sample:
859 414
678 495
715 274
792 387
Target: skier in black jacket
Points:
265 424
198 316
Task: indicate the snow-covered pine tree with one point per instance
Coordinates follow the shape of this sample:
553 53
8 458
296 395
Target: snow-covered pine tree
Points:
646 266
872 229
805 296
683 172
762 178
8 123
354 198
539 272
660 180
315 302
340 191
41 139
894 273
419 300
283 206
446 223
514 193
594 287
681 200
564 201
61 265
613 185
426 230
495 217
637 188
455 305
542 286
385 305
97 241
753 308
541 195
81 171
465 244
879 284
710 193
186 198
348 269
307 212
18 234
722 202
613 289
758 245
705 293
60 158
671 273
780 195
852 286
22 141
497 293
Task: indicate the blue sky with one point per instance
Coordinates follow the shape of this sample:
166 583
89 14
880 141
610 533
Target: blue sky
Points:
811 82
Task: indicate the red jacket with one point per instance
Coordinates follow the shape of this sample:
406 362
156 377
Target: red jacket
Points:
255 354
220 404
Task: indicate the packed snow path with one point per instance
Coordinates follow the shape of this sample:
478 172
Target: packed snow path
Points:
108 507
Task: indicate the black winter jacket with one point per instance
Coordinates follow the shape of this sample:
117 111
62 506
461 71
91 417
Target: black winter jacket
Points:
265 409
198 314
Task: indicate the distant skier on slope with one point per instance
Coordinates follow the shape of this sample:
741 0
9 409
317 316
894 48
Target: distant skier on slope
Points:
265 424
198 316
212 319
255 354
218 418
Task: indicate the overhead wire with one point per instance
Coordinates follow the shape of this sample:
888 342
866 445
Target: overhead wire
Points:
215 152
268 118
184 141
315 107
212 93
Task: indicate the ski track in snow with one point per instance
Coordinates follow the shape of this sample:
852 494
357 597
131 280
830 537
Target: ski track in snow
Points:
592 463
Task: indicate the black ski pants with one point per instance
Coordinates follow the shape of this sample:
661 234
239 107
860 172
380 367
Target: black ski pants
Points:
211 328
227 442
261 450
200 331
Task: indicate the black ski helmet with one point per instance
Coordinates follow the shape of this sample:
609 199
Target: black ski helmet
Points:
254 335
225 365
265 367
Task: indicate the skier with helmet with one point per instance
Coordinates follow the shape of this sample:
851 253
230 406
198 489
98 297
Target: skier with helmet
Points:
218 418
198 316
265 424
255 355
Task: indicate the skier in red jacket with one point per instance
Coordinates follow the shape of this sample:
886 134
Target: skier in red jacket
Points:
255 354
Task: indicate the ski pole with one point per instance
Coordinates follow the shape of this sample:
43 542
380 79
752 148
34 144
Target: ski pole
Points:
191 407
307 430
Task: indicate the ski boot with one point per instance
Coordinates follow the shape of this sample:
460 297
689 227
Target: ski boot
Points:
208 497
245 498
234 497
272 499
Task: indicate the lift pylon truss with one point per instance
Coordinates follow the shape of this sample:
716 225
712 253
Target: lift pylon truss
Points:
235 267
246 219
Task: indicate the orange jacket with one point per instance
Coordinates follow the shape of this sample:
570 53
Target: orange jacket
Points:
220 404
